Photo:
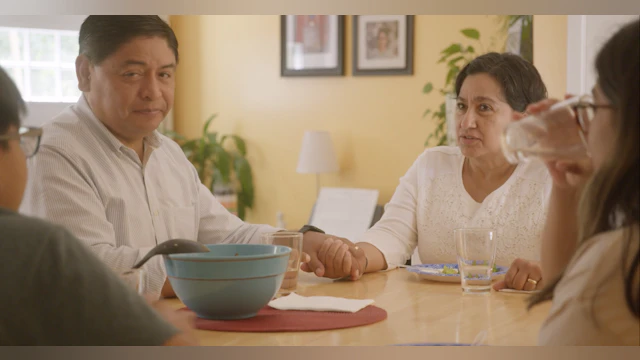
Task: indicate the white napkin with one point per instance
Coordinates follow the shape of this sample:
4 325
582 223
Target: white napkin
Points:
294 301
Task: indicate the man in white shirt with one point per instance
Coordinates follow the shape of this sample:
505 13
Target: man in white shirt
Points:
105 172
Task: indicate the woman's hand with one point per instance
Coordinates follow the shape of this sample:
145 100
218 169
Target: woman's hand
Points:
333 257
522 275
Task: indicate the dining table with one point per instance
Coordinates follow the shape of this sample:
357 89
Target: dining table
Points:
418 312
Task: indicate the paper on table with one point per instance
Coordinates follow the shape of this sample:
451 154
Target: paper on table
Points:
345 212
294 301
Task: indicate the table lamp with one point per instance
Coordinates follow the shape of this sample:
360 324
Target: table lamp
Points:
317 155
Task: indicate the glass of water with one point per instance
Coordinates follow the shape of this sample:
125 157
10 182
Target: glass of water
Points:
135 279
555 134
292 240
476 252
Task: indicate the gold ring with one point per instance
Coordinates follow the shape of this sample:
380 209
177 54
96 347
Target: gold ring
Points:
532 281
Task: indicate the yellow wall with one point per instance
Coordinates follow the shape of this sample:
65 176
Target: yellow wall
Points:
550 51
231 66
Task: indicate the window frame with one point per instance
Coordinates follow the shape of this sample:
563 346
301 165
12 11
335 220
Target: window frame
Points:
27 64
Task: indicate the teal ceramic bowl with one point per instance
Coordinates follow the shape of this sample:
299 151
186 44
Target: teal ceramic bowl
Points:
232 281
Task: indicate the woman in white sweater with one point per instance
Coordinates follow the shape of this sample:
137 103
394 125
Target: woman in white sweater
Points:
471 185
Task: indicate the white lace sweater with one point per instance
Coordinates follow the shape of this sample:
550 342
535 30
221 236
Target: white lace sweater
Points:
431 201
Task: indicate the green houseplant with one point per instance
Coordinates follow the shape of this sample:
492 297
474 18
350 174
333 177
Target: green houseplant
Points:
456 56
220 165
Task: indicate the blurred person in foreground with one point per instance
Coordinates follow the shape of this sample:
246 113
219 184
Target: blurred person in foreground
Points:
55 291
590 245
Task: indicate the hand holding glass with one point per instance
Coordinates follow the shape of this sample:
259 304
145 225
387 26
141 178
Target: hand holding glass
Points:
555 134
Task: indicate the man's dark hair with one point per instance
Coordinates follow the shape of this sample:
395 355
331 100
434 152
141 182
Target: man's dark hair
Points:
102 35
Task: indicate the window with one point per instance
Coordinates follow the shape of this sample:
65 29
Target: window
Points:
41 62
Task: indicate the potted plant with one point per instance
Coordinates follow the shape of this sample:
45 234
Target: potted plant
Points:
224 169
456 56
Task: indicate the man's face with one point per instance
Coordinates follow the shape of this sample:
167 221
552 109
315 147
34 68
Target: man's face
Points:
132 90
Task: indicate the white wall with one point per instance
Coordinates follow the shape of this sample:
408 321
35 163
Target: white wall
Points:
585 36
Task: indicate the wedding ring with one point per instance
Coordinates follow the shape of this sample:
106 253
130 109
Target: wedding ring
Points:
532 281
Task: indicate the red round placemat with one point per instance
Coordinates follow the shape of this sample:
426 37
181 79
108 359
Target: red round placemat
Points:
273 320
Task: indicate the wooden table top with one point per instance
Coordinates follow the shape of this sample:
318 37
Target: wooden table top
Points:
418 311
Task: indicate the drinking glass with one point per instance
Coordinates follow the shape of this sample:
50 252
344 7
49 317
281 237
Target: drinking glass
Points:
292 240
135 279
476 252
555 134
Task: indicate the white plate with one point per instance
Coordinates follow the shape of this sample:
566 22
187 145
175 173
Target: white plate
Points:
433 272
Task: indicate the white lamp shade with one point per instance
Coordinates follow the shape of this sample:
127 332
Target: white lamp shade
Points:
316 154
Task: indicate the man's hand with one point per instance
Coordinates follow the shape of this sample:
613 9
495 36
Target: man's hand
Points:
333 257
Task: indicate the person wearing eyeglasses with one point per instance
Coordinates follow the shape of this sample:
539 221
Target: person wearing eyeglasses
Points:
54 290
590 250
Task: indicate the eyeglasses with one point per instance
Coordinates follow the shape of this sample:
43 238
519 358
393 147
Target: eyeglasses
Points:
29 139
586 111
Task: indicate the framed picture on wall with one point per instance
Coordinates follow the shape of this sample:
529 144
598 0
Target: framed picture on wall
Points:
383 44
312 45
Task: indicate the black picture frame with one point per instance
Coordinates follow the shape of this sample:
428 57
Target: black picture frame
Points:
338 70
407 69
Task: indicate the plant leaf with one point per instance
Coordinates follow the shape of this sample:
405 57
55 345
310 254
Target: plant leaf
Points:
455 60
426 112
223 164
452 49
471 33
207 123
240 145
245 178
471 49
189 145
212 138
451 75
427 88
